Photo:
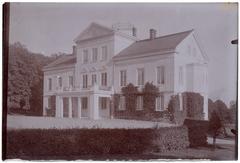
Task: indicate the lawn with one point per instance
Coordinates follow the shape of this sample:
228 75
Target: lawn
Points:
28 122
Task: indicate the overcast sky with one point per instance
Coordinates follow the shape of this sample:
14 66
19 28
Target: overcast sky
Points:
51 28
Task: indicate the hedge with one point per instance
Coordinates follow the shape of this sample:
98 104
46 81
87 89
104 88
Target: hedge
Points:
197 132
74 143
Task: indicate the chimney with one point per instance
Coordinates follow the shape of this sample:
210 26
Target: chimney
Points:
153 34
74 50
134 31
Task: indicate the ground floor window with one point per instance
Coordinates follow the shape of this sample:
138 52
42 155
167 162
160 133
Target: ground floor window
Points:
122 103
84 101
139 103
103 102
160 103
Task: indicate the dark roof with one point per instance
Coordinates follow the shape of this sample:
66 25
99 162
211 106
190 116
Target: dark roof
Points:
66 60
163 43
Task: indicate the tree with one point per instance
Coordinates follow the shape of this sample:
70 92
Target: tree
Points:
215 125
22 103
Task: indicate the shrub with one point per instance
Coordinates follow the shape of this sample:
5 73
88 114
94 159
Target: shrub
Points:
130 93
150 92
215 125
72 143
197 132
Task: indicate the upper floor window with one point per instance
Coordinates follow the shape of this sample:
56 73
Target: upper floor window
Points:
94 54
85 56
140 76
104 53
181 75
60 82
70 81
123 78
139 102
104 79
160 103
94 79
160 75
85 81
49 84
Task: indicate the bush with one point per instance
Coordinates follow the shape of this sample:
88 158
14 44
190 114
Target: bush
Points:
192 104
150 92
130 93
72 143
215 124
197 132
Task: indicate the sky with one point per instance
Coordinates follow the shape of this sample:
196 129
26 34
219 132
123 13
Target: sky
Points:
49 28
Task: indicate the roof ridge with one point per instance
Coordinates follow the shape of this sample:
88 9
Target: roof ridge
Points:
167 35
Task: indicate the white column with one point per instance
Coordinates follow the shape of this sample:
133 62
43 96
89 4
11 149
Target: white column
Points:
45 105
205 107
79 107
57 106
61 107
70 107
94 108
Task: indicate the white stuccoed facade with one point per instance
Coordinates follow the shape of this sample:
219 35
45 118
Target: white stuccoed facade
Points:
83 98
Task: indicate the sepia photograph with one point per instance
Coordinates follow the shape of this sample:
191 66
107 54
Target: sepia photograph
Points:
120 81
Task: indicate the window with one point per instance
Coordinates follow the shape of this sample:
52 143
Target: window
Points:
160 103
123 78
104 79
85 81
122 103
140 76
84 102
94 54
181 75
60 82
103 102
50 84
85 56
104 53
140 103
94 79
160 75
70 81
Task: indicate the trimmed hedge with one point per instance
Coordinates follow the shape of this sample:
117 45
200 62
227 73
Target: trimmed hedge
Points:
71 143
197 132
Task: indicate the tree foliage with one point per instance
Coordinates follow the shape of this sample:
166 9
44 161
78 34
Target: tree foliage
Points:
130 93
150 92
25 78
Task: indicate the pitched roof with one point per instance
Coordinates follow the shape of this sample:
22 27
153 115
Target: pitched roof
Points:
163 43
66 60
92 31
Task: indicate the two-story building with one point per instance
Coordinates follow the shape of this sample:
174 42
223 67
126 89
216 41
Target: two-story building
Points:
106 59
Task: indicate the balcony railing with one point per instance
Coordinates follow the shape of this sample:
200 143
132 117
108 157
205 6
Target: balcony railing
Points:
90 87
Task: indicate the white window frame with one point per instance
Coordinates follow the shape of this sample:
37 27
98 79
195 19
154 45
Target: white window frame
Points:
70 81
85 56
103 103
123 78
161 75
94 54
85 80
82 102
104 79
94 79
60 81
50 84
160 103
140 83
104 53
139 103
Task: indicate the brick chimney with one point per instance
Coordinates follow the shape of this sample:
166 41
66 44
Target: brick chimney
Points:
134 31
153 34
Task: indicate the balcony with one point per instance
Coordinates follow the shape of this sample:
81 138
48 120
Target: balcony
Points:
88 88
